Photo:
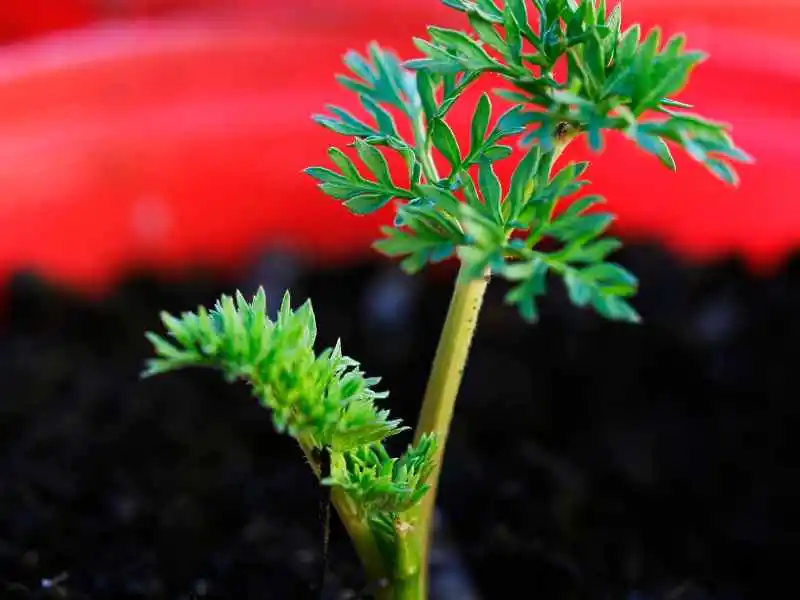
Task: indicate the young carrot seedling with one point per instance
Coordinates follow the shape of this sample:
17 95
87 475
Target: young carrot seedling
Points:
570 70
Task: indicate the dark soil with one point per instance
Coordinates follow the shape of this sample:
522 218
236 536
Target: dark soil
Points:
588 459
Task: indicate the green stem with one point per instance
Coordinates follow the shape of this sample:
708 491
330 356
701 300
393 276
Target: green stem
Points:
440 395
423 153
407 581
357 528
445 379
361 535
406 589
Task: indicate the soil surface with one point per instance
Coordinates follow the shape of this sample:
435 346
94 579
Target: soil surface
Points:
588 459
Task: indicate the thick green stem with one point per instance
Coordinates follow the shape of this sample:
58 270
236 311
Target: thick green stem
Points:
362 537
357 528
439 401
440 396
406 582
407 589
400 581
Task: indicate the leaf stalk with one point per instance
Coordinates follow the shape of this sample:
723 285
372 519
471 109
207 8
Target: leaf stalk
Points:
438 404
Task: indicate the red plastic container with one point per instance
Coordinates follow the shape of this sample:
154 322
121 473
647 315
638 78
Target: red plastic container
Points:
180 140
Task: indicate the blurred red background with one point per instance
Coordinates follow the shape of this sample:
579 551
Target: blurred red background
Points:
173 132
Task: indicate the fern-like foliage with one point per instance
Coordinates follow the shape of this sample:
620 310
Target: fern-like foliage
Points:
321 399
539 225
615 80
381 484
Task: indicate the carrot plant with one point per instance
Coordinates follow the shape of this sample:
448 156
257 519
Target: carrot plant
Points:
567 68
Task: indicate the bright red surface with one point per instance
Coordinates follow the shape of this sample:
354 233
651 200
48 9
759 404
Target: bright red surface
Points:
181 139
